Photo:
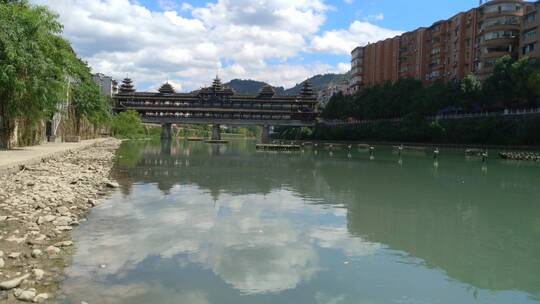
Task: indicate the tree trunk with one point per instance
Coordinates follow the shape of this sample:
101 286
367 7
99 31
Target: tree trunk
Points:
6 128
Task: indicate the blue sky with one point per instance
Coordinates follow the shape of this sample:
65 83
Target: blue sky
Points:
278 41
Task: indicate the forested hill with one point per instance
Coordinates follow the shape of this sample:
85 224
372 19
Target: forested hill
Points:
318 82
250 87
253 87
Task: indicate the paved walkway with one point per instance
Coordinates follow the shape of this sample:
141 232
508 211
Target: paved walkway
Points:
12 160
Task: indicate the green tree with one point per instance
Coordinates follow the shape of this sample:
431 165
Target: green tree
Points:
32 64
471 89
87 101
127 125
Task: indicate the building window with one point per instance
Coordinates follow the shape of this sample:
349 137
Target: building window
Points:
505 20
530 34
530 18
496 49
502 7
498 34
529 48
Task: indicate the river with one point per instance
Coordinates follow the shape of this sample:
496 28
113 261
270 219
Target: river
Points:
198 223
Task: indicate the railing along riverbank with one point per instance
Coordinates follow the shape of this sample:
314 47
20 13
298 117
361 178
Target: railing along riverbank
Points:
505 113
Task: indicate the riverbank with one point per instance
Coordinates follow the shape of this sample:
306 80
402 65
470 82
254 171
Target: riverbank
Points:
39 206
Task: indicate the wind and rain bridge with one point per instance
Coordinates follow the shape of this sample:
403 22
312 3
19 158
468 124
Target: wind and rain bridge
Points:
218 105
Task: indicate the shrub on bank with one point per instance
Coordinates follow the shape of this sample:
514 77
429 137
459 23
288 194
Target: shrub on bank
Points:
127 125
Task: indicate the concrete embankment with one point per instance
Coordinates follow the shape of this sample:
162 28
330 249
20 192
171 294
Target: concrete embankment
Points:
39 206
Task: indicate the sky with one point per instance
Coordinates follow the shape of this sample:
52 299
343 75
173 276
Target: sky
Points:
188 42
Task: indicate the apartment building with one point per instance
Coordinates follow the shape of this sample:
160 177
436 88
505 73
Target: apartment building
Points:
530 31
448 50
107 85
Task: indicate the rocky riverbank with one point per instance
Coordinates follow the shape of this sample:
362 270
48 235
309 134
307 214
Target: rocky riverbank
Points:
39 206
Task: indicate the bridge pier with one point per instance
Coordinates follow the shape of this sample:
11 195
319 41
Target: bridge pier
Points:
265 135
166 131
216 132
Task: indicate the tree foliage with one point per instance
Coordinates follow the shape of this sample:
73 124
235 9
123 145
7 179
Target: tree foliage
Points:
87 101
35 66
514 84
127 124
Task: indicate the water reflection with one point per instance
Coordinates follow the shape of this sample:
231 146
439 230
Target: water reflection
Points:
199 223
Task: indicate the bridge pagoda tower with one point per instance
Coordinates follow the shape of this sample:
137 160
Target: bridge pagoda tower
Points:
127 86
166 128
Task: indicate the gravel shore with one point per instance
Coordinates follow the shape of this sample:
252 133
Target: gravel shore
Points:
39 206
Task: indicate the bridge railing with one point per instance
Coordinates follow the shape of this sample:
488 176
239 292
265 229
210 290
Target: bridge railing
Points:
234 116
267 106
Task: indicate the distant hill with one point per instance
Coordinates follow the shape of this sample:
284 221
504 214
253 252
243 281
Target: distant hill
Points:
252 87
318 82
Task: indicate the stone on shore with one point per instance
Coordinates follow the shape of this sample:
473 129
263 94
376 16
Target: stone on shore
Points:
52 250
113 185
40 298
46 219
38 207
64 244
25 295
36 253
62 221
38 274
6 285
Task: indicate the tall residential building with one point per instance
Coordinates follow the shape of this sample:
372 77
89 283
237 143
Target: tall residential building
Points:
530 31
448 50
108 86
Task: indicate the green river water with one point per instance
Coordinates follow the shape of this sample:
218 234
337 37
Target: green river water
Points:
199 223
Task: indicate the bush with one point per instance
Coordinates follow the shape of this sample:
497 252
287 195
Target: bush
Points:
127 125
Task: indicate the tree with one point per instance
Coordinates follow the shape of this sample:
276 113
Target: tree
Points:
87 101
32 66
36 67
127 125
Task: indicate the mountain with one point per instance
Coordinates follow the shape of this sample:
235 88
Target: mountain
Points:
252 87
318 82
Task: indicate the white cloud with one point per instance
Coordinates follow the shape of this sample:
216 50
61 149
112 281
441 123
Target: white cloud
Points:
244 38
344 41
377 17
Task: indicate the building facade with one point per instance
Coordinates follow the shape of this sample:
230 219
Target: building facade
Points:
530 27
449 50
108 86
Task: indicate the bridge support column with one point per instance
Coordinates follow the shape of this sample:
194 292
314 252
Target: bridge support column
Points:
216 132
166 131
265 135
